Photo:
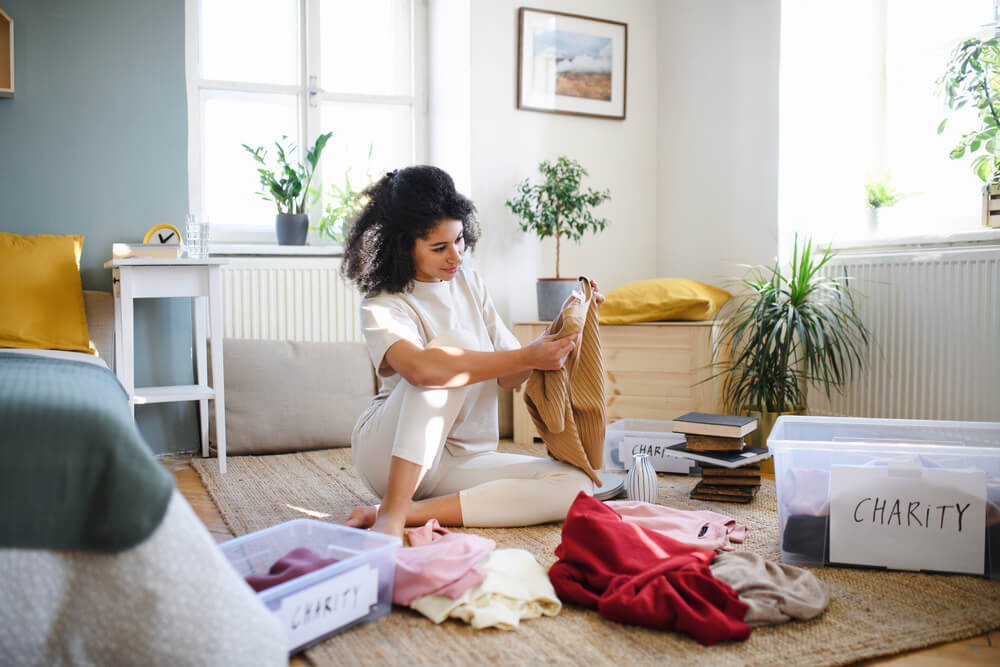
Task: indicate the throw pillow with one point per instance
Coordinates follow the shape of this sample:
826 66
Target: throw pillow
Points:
661 299
41 298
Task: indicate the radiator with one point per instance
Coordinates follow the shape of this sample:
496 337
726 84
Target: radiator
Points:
300 299
934 316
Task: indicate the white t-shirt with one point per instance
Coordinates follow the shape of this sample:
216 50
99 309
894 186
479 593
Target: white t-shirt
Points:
421 314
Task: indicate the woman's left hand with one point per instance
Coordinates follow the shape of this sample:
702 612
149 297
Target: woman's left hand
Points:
598 297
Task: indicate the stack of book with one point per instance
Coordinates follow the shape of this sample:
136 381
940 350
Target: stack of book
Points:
730 469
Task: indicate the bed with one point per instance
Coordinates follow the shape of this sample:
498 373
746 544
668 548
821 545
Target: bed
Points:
103 561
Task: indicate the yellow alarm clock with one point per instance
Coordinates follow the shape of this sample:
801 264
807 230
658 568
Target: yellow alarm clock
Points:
162 234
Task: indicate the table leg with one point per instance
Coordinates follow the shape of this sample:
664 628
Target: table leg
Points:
127 373
198 304
218 376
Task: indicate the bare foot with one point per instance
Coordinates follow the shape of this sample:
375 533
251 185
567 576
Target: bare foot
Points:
363 517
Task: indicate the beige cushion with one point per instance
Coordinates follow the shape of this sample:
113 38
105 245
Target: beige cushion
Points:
284 396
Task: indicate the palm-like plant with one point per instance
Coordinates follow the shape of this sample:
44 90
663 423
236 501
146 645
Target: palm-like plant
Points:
789 330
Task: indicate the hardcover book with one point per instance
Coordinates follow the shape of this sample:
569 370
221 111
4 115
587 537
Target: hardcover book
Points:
726 426
712 443
731 459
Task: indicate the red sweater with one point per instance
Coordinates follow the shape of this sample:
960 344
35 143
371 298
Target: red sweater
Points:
640 577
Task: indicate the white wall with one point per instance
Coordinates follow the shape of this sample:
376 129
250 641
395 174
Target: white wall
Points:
717 121
506 144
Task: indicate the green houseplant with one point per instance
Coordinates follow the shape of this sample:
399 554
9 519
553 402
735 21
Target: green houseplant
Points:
557 207
972 80
880 193
344 204
287 185
789 328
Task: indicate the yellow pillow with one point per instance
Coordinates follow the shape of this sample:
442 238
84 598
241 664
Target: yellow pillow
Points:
661 299
41 298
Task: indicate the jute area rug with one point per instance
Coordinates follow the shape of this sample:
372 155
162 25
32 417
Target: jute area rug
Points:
871 612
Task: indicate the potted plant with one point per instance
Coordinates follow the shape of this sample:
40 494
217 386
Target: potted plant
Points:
343 206
786 330
880 193
557 207
288 185
972 80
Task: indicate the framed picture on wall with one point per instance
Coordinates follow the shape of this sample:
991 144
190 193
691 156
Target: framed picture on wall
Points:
571 64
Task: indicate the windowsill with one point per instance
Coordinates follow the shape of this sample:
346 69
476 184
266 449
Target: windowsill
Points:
273 250
984 236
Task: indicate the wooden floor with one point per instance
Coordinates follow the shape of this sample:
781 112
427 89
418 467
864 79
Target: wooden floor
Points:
982 650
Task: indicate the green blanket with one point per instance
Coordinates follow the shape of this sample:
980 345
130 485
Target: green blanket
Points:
74 471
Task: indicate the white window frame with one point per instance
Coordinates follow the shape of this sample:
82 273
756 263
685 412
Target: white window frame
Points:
308 95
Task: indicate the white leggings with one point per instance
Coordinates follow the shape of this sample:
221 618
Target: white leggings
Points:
495 489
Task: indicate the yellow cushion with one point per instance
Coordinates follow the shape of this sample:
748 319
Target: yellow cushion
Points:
41 298
661 299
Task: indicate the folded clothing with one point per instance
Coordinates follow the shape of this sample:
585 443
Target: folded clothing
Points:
640 577
516 588
293 564
774 593
440 562
702 528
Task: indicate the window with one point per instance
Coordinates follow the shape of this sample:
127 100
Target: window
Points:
260 69
858 98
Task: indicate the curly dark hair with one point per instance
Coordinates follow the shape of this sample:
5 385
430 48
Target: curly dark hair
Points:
402 206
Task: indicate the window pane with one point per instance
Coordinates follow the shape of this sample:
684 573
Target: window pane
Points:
365 46
229 173
385 129
945 192
250 40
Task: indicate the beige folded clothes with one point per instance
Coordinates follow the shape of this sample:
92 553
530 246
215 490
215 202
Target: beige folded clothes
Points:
774 592
516 588
567 405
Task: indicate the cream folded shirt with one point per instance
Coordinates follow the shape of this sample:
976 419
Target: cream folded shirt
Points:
516 588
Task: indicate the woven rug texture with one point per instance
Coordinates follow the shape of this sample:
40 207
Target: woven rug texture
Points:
871 613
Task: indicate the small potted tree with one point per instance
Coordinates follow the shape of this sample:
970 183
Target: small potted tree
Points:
287 185
559 208
787 330
880 193
972 80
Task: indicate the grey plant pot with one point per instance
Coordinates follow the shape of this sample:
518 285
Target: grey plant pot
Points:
292 228
552 294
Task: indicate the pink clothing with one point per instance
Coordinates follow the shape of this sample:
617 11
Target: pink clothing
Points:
439 562
702 528
293 564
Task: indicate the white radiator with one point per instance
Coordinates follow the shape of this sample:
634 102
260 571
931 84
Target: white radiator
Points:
300 299
934 316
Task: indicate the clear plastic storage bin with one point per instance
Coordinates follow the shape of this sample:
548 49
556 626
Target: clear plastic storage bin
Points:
647 436
321 603
901 494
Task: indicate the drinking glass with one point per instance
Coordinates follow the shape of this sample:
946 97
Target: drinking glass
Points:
196 236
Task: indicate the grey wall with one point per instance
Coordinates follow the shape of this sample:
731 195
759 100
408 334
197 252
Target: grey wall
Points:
94 142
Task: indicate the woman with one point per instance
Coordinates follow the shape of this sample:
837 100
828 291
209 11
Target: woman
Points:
427 444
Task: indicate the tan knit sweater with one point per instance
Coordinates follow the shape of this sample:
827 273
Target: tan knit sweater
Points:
567 405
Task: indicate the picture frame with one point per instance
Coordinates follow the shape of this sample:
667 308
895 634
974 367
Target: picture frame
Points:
571 64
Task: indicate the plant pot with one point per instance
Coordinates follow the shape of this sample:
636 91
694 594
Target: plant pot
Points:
291 228
552 294
765 422
873 215
991 205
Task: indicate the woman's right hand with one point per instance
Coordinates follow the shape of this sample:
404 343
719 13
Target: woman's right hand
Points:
548 353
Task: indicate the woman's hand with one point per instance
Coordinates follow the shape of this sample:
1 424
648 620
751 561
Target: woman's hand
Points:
548 353
598 297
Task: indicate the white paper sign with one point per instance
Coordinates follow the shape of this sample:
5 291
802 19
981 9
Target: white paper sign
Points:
908 518
322 608
654 448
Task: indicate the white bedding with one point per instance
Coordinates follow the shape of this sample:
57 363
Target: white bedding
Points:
58 354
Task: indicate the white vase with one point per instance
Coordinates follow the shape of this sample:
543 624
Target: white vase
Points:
641 483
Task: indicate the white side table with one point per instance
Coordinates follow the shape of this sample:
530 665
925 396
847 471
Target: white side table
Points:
200 279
